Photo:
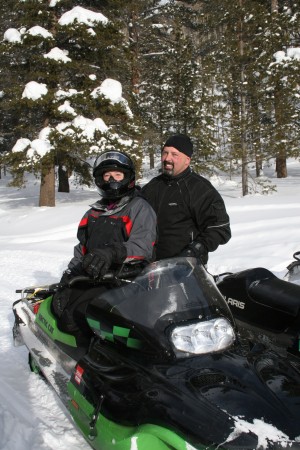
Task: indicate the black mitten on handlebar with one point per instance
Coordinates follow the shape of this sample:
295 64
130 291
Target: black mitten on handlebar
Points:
60 300
197 250
98 261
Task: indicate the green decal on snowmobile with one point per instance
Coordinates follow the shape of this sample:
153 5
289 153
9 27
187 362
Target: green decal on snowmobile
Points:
118 333
105 434
46 320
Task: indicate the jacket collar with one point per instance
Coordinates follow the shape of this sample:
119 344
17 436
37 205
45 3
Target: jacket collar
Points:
101 205
178 177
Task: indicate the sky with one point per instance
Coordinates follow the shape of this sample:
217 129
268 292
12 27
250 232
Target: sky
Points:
36 245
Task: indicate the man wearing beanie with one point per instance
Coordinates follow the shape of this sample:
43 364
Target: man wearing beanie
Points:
191 215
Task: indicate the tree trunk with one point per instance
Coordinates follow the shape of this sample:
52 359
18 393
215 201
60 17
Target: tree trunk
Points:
274 6
281 168
151 159
47 188
245 188
134 49
63 179
258 165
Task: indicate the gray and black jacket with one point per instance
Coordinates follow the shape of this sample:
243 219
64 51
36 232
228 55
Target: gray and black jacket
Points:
131 223
188 208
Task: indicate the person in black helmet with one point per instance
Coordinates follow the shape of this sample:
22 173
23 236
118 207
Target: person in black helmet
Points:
119 228
191 215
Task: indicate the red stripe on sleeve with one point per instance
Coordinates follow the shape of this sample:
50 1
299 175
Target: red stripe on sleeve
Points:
83 222
128 224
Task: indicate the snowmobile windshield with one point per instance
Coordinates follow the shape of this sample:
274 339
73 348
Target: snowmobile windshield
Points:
167 294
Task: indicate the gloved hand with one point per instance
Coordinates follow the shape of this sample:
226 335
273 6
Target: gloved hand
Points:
64 281
66 277
197 250
98 261
60 300
62 293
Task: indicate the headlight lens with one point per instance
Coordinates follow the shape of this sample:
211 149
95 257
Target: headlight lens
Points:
203 337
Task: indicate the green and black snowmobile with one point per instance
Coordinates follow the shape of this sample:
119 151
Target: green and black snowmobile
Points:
164 368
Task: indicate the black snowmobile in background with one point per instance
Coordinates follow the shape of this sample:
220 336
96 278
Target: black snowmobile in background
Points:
164 368
266 308
293 273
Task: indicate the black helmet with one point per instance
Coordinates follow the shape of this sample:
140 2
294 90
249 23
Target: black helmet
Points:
114 160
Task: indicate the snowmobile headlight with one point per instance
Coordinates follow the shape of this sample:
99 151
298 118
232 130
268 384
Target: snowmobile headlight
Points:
203 337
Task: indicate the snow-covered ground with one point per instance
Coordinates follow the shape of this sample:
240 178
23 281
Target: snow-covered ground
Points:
36 245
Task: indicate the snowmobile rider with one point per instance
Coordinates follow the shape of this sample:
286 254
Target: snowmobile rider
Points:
191 215
119 228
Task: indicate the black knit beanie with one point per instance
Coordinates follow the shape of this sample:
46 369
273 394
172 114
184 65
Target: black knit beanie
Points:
182 143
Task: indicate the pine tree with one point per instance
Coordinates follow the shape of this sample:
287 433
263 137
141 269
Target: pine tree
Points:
67 60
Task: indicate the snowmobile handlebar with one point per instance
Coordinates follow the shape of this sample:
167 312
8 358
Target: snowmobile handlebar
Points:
114 277
296 255
111 276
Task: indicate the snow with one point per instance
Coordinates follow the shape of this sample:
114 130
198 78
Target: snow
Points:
89 126
60 94
82 15
264 431
12 35
291 53
58 55
40 31
38 147
110 89
37 243
67 108
34 90
21 145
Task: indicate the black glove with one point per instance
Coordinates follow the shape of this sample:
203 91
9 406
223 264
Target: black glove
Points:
197 250
62 293
60 300
66 277
98 261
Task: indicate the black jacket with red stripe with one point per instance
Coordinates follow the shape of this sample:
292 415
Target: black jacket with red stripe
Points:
130 222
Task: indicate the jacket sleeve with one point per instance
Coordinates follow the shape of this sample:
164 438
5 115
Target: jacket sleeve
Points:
151 193
75 265
212 219
140 243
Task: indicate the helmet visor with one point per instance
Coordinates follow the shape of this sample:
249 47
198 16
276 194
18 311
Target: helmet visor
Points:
109 157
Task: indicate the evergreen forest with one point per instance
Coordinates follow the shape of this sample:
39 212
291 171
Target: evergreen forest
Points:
225 72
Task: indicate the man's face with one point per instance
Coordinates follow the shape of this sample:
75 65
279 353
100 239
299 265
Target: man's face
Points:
115 174
173 161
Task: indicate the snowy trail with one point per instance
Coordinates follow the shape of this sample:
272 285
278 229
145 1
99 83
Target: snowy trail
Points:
22 424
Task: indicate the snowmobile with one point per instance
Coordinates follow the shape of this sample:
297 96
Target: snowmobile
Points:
164 367
266 308
293 273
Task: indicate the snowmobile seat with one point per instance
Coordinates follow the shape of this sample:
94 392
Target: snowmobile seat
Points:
261 287
276 293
